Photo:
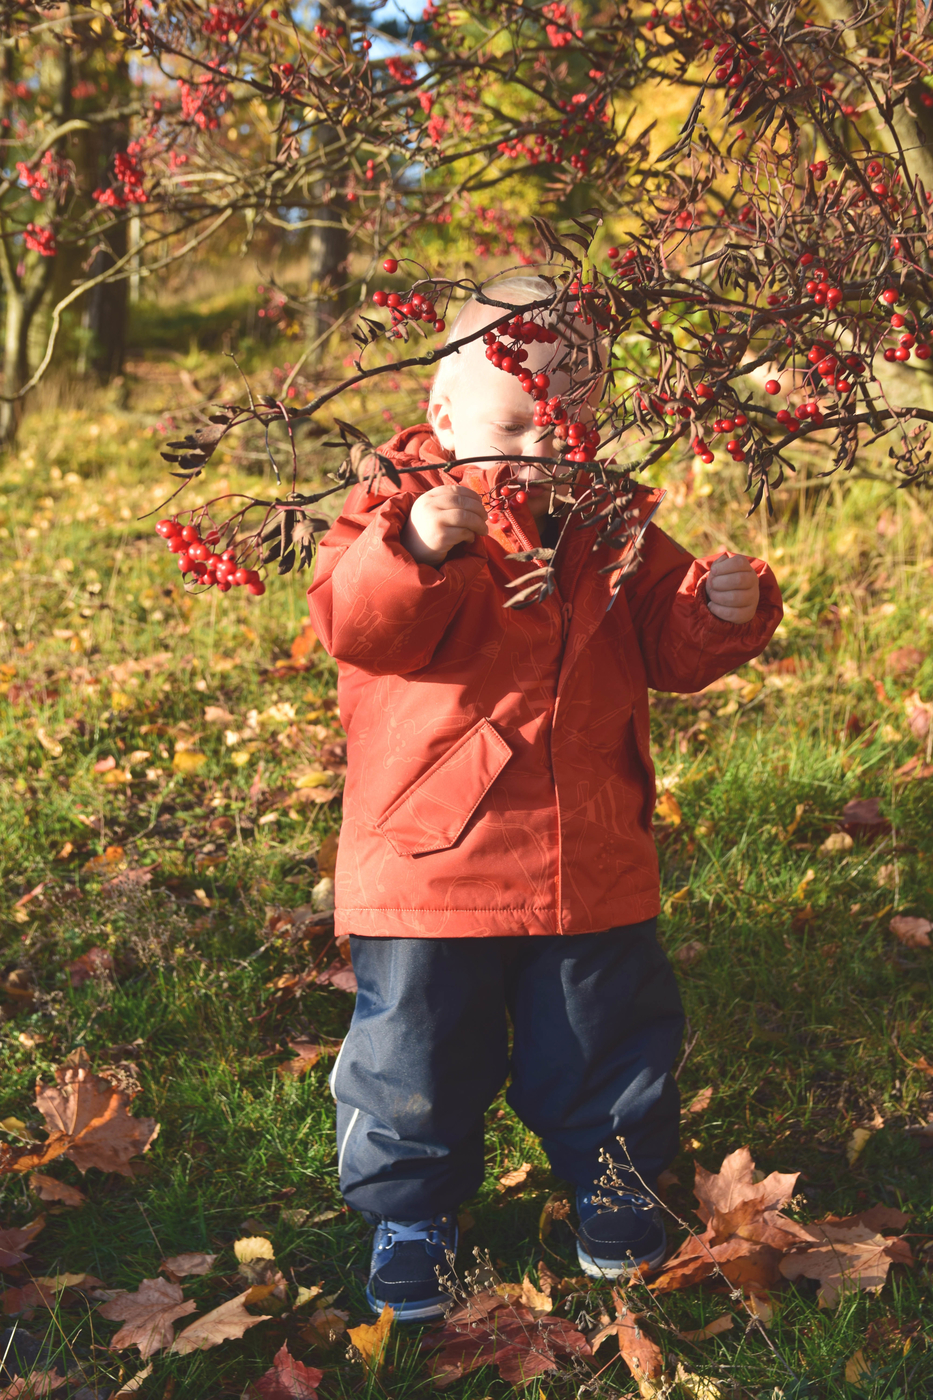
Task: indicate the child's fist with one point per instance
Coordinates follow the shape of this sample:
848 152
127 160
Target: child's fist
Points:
441 518
732 589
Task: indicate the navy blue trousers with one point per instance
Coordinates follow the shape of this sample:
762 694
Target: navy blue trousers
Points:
597 1023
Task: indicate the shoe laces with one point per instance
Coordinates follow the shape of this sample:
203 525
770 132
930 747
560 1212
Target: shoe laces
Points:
423 1231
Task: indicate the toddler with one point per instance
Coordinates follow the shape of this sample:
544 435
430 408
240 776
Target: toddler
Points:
496 860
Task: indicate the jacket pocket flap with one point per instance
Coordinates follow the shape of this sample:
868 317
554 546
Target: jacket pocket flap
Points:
431 814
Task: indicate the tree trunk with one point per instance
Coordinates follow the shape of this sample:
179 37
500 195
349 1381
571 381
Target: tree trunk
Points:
328 252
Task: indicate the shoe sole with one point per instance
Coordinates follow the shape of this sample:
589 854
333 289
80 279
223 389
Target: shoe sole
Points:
410 1312
615 1268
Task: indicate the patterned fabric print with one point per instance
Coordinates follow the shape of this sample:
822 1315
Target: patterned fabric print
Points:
499 775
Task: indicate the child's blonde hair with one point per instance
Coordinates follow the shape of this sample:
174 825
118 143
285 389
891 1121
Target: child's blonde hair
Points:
518 290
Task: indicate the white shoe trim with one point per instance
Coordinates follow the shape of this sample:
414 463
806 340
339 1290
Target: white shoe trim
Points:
615 1268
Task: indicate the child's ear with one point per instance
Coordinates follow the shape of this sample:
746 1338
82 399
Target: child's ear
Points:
440 420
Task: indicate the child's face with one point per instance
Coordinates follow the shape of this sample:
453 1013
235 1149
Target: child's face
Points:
487 413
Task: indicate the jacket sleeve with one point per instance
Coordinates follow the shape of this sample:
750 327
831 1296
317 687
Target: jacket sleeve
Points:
684 646
371 604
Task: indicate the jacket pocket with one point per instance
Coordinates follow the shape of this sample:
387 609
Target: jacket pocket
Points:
432 813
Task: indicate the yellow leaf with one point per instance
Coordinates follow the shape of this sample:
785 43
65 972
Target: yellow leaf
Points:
837 844
668 809
697 1387
856 1368
313 780
856 1145
119 700
681 895
760 1307
305 1295
240 757
370 1339
749 690
712 1329
188 761
51 746
252 1247
801 889
15 1126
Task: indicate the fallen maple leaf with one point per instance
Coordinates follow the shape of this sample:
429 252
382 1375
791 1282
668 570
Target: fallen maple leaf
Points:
16 1301
846 1255
668 810
13 1242
31 1387
371 1339
286 1379
108 863
325 1324
95 963
700 1102
229 1321
48 1189
89 1122
488 1329
149 1315
913 933
181 1265
517 1177
525 1292
338 975
307 1055
640 1353
745 1233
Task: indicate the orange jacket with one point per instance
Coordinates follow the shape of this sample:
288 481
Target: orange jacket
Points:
499 779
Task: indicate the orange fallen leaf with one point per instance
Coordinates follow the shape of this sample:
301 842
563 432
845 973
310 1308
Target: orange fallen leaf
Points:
182 1265
846 1256
14 1242
31 1387
89 1121
668 810
286 1379
48 1189
307 1056
640 1353
149 1315
327 855
700 1102
32 1295
488 1329
525 1292
305 644
106 864
517 1177
371 1339
712 1329
229 1321
913 933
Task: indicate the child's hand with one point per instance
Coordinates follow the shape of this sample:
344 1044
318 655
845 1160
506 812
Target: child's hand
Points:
441 518
732 589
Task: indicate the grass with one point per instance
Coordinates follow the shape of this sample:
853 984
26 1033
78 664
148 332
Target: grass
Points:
805 1012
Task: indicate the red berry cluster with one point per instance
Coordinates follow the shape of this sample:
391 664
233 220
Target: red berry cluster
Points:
415 307
735 445
196 556
496 502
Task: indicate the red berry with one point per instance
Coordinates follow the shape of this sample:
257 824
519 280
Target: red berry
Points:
177 545
612 252
229 554
541 381
706 457
897 320
806 259
380 297
257 589
167 528
772 386
393 299
494 517
901 353
199 550
842 386
440 325
520 498
184 563
740 420
889 296
191 533
390 265
223 585
923 352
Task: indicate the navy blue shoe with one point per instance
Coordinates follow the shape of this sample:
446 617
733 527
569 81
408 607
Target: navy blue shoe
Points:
615 1240
405 1265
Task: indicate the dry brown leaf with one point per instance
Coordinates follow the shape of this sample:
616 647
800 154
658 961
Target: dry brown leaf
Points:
134 1384
640 1353
286 1379
856 1368
182 1265
14 1242
95 964
305 644
846 1255
913 933
229 1321
371 1339
48 1189
693 1386
89 1121
31 1387
338 975
689 953
307 1055
26 1299
149 1315
216 714
712 1329
517 1177
700 1102
488 1329
106 864
326 1324
525 1292
327 855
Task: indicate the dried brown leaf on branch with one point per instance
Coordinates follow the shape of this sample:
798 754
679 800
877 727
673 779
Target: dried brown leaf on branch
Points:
148 1315
286 1379
223 1324
638 1350
489 1330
